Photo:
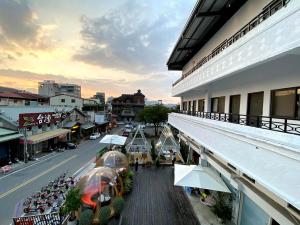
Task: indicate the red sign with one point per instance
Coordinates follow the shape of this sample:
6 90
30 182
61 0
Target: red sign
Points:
36 119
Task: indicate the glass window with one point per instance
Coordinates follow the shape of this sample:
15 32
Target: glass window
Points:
62 100
218 105
73 100
252 214
285 103
201 105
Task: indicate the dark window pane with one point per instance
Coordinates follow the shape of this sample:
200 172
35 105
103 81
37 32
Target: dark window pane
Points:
283 103
201 105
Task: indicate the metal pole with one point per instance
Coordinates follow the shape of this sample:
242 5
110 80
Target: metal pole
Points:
25 145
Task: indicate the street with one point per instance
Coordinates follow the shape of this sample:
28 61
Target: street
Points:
22 183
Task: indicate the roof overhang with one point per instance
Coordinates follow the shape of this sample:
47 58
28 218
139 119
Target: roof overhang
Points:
207 17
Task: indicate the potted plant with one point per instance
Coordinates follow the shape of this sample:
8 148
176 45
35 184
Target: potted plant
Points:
72 204
118 205
222 209
86 217
104 215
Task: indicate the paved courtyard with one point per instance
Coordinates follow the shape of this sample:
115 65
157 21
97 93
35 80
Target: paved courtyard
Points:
155 201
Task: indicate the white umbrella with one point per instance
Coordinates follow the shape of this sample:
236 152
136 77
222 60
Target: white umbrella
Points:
198 177
113 139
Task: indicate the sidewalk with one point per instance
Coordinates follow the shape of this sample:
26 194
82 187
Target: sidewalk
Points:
20 165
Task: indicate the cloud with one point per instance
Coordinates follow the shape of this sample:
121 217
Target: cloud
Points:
19 27
135 37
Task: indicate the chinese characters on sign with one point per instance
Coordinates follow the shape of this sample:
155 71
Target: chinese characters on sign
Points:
36 119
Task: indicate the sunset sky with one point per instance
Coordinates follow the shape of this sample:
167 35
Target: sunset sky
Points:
115 46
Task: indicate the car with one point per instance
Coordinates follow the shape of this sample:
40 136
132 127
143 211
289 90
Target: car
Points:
125 134
70 145
94 136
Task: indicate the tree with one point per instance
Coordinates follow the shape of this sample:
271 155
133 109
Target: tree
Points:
72 203
155 114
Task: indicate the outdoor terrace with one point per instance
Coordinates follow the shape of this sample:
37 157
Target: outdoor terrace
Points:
155 200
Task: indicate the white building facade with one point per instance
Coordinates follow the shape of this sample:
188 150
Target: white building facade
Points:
64 100
49 88
240 102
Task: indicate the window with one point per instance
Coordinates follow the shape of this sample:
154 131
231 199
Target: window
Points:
286 103
201 105
184 106
62 100
218 104
73 100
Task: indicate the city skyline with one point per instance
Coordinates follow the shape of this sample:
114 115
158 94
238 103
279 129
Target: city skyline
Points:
116 48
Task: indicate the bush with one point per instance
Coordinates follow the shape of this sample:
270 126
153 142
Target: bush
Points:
130 174
86 217
118 205
123 150
153 151
222 209
128 185
72 203
104 215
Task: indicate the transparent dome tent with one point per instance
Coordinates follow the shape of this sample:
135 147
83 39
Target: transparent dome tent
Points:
115 160
99 187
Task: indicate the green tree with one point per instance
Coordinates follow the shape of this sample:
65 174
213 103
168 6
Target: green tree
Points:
155 114
153 151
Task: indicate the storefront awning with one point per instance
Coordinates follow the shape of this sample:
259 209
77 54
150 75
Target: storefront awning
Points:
10 137
198 177
46 135
86 126
70 124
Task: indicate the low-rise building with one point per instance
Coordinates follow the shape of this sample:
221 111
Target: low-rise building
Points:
40 126
127 106
63 100
22 98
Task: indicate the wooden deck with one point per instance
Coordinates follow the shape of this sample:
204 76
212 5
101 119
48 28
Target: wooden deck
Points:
155 201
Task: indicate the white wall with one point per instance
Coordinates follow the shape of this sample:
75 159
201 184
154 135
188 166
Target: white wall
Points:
281 73
56 101
247 12
11 102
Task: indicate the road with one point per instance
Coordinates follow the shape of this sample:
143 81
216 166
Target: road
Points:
22 183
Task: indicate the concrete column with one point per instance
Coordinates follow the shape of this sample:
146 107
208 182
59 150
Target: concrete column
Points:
207 97
244 102
227 103
267 103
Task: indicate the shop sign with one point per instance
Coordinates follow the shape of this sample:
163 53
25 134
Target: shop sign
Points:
36 119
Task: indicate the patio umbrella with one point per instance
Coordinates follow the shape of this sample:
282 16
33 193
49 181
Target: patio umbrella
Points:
113 139
198 177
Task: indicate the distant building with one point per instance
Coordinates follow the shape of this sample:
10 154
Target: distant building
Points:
49 88
101 97
20 98
127 106
64 100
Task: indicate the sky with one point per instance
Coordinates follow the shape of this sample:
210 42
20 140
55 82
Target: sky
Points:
111 46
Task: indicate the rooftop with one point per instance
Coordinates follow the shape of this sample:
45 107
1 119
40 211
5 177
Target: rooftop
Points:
205 20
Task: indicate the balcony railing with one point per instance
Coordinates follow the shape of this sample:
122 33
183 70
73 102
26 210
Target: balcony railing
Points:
267 11
286 125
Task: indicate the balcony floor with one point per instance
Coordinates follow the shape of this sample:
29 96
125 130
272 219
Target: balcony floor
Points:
155 201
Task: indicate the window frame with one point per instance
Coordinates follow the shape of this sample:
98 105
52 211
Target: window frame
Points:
272 93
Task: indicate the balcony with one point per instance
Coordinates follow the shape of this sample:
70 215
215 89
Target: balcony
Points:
266 156
264 38
284 125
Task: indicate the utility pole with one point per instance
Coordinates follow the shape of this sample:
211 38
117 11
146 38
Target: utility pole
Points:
25 145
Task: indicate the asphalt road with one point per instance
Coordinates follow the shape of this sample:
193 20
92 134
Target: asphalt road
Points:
22 183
